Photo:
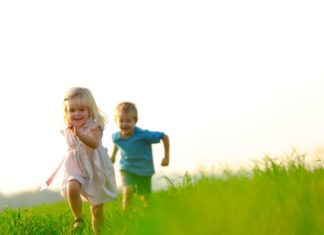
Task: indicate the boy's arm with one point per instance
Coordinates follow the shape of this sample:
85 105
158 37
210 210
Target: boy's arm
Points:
114 153
166 143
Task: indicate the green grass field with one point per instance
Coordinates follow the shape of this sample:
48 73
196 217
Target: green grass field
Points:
284 196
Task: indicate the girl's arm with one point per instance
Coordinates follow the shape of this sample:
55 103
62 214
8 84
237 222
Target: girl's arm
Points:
92 139
166 143
114 153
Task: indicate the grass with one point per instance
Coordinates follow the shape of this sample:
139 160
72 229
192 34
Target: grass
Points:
278 196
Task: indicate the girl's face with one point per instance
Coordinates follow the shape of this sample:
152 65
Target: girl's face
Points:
78 114
126 123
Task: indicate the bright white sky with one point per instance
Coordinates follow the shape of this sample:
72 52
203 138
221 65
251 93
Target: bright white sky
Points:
228 81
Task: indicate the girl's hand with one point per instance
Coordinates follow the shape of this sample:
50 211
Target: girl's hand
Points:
72 126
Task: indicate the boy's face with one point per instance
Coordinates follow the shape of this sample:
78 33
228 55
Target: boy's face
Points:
126 123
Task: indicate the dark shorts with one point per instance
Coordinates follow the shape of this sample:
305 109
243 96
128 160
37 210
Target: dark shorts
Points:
142 184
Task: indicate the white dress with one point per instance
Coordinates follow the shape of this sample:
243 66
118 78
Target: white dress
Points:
91 167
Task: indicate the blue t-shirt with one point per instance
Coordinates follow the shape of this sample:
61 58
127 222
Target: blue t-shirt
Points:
136 151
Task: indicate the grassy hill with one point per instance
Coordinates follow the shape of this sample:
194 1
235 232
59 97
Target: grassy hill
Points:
284 196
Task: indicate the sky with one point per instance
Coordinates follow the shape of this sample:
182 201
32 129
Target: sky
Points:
228 81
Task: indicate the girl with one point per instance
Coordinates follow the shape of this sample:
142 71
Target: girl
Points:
88 171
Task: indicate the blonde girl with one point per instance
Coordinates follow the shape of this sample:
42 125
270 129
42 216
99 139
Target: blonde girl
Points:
88 171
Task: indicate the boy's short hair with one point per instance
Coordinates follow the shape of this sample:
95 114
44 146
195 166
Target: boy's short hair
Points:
126 107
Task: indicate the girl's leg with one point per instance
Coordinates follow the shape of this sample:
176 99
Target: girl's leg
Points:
74 199
97 218
128 192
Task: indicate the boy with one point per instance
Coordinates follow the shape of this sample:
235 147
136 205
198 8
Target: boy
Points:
135 145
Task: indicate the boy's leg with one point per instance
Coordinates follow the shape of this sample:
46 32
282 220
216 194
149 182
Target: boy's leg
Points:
97 218
144 187
128 188
128 193
74 198
144 198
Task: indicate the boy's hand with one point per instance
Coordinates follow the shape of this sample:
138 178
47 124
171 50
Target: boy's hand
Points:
165 161
113 159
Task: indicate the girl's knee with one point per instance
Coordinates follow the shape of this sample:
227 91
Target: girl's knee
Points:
74 188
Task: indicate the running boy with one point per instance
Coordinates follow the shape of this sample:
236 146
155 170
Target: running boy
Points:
135 145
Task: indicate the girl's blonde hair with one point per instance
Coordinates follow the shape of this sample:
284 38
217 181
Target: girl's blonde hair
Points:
126 107
86 98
